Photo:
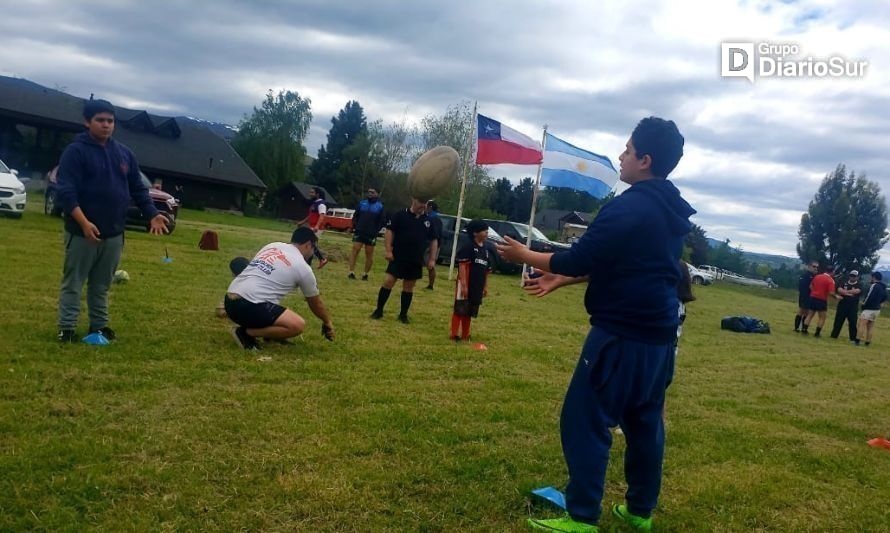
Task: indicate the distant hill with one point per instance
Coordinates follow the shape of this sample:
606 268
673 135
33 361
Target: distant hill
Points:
771 260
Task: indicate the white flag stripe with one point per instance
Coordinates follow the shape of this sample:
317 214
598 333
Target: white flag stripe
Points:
594 169
510 135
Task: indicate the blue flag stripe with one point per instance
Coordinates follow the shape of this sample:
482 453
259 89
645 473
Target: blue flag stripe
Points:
555 144
551 177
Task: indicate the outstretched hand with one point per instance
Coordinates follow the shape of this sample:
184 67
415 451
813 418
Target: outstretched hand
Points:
543 283
512 250
158 225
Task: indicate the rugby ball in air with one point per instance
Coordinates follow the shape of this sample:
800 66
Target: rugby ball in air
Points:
433 173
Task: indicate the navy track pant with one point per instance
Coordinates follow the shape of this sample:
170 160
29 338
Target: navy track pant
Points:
617 382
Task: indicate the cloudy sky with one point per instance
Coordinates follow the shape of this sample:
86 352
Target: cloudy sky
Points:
755 152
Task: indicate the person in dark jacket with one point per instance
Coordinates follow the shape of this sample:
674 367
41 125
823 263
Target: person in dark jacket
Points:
803 294
630 254
848 307
871 308
97 178
367 221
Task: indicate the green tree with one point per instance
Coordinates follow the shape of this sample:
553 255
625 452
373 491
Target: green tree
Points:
501 199
728 258
846 222
271 139
522 200
347 127
697 242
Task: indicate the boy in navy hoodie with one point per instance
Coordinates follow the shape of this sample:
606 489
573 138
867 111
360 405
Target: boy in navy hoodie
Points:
97 177
627 361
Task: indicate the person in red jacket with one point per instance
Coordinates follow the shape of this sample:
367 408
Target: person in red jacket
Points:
820 288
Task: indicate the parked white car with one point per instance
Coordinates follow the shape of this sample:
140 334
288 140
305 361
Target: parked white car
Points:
700 277
12 192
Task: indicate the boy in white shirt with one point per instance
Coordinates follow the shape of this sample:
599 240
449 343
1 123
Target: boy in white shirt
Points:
252 299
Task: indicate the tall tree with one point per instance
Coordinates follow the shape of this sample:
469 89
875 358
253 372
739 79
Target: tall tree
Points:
348 126
522 200
501 199
271 139
697 242
846 222
392 145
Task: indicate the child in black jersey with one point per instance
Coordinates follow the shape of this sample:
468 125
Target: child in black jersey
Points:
474 264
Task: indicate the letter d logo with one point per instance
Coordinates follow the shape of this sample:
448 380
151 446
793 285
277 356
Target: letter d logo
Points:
737 60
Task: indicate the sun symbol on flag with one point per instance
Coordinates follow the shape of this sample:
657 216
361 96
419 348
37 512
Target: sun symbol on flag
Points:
581 166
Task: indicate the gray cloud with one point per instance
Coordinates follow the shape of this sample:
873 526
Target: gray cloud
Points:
583 68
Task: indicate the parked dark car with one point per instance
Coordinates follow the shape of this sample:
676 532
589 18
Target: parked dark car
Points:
164 203
444 258
519 232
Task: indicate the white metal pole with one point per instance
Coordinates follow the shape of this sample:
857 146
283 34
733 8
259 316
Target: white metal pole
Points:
531 220
463 188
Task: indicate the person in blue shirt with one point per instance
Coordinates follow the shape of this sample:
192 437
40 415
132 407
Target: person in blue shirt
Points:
367 221
97 178
871 308
630 254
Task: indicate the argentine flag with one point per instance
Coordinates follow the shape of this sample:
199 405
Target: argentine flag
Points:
566 165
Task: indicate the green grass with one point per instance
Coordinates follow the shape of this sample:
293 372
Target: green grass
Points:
393 427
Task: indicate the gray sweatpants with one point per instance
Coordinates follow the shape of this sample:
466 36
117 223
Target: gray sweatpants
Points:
93 263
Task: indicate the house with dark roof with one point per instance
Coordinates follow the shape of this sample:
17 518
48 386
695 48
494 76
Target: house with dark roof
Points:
549 220
183 155
293 200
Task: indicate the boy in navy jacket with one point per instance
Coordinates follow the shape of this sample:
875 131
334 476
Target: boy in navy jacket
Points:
627 361
97 177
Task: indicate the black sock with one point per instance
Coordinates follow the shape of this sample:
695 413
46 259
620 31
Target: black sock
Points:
797 321
406 302
818 330
804 327
382 297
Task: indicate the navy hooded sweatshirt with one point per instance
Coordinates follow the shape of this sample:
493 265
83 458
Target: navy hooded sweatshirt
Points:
100 180
631 252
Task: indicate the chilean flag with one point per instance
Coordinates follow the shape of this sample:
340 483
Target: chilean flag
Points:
500 144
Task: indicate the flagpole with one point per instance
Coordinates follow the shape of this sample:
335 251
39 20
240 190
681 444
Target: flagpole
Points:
531 220
463 189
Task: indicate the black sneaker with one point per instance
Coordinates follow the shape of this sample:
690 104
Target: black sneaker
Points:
243 339
364 277
404 319
351 275
377 314
106 332
429 287
456 338
67 335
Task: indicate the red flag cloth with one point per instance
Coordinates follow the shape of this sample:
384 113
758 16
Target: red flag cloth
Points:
500 144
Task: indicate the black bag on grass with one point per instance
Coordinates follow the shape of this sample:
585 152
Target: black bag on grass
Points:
744 324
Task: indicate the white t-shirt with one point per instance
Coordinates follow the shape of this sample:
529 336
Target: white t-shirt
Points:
277 269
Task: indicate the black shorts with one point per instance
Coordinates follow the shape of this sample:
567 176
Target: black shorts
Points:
251 315
466 308
818 305
369 240
404 270
803 301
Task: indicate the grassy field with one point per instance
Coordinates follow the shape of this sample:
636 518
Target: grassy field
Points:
393 427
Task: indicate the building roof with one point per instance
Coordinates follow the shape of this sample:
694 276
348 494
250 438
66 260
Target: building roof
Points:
172 145
550 218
